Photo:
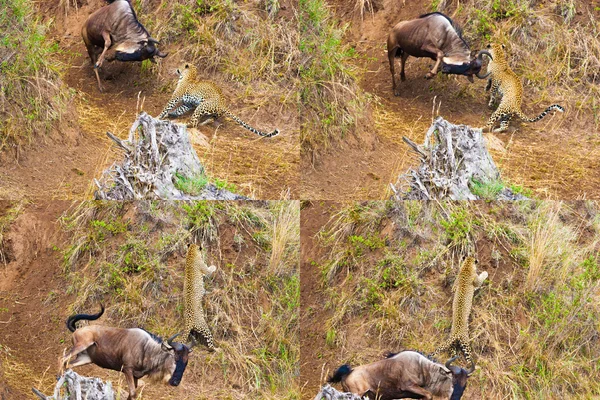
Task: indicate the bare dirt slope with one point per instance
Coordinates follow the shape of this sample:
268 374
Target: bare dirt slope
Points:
64 169
556 157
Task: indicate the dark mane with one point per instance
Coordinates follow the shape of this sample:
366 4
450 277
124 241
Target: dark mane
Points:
389 354
156 338
456 27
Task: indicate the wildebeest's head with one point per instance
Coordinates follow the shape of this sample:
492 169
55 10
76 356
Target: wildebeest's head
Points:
139 51
180 353
459 378
468 68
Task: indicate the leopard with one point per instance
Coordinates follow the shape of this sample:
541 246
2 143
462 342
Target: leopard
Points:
196 328
464 289
205 97
505 84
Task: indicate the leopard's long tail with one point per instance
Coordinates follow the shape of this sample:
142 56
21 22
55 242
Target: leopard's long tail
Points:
251 129
543 114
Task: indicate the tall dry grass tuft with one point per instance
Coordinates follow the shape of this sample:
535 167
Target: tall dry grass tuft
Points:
285 235
33 98
551 247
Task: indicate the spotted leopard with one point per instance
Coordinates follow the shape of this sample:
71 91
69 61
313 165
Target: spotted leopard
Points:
466 283
196 327
205 98
505 84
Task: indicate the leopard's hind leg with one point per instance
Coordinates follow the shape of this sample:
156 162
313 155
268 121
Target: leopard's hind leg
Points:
465 348
448 345
205 108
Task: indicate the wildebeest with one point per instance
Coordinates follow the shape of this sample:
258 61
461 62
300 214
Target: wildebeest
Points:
407 374
115 32
135 352
435 36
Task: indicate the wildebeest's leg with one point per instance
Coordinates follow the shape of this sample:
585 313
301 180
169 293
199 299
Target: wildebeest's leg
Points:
392 60
402 62
91 49
439 56
107 43
131 383
74 352
411 387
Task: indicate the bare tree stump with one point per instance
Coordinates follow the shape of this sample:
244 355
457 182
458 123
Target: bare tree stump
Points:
452 157
329 393
156 155
72 386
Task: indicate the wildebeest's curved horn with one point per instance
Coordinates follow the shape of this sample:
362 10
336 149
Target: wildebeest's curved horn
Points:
170 340
161 54
482 52
450 361
471 369
482 76
152 40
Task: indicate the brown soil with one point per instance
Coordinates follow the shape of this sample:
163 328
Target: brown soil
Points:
556 157
313 370
64 168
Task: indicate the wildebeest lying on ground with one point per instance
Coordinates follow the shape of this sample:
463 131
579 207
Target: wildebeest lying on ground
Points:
115 33
135 352
407 374
435 36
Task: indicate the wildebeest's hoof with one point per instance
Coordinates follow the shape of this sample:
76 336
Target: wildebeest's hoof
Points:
428 75
397 93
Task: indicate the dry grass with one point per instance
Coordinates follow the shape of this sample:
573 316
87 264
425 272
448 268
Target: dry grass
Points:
534 324
285 241
130 257
33 98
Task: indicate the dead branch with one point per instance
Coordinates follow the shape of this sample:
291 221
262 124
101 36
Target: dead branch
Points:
329 393
156 154
451 158
72 386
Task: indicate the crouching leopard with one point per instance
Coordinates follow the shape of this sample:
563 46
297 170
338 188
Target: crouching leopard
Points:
465 285
203 96
196 328
506 84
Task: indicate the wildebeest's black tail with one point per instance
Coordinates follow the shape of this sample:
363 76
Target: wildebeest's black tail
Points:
72 320
341 372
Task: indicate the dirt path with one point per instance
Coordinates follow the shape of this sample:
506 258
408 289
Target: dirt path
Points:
64 169
558 157
313 315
